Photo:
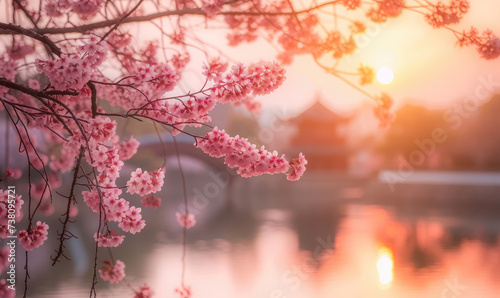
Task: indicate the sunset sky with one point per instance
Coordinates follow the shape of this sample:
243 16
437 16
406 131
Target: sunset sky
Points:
429 68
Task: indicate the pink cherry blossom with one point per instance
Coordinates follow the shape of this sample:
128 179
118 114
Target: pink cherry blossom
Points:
443 15
86 8
241 154
74 71
14 173
144 183
131 222
52 8
351 4
119 40
212 7
110 239
491 49
4 258
5 291
298 167
214 69
114 207
33 238
186 220
127 149
113 273
7 70
73 211
20 50
151 201
266 77
241 81
183 291
14 204
102 128
144 292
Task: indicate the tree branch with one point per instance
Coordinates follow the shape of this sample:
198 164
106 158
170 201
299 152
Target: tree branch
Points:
150 17
33 33
63 236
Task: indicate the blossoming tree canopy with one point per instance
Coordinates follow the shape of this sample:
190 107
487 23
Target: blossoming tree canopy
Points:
70 71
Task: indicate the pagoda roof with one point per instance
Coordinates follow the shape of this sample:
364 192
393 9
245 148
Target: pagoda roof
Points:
318 112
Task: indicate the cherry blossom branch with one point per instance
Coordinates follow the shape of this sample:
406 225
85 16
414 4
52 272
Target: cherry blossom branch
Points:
15 29
93 99
121 20
168 13
65 234
39 95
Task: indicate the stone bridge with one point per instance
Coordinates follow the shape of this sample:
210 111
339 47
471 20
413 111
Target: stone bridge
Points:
186 147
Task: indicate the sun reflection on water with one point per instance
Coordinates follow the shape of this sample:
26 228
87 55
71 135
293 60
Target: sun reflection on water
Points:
385 265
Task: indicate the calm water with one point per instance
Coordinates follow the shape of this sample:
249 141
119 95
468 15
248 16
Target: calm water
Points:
317 238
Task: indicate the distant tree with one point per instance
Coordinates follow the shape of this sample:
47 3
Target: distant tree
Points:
475 145
472 147
412 123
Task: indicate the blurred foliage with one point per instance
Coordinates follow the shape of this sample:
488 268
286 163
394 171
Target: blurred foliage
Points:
472 139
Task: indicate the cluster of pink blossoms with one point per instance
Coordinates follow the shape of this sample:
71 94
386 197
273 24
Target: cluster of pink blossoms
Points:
241 154
383 110
443 15
152 80
386 9
183 291
366 74
110 239
145 183
101 128
144 292
240 82
107 162
9 203
115 208
160 78
4 258
487 43
235 86
212 7
214 69
126 149
186 220
192 112
7 71
151 201
338 44
106 156
491 49
74 71
85 9
5 291
113 273
132 222
351 4
33 238
297 167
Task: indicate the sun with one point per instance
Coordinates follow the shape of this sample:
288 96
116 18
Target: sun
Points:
385 75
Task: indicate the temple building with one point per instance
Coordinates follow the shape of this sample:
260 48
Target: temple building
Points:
320 135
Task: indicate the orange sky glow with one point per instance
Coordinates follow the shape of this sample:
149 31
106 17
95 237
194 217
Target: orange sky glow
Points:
429 68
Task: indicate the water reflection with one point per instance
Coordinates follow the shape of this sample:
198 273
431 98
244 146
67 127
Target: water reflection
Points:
385 266
308 246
